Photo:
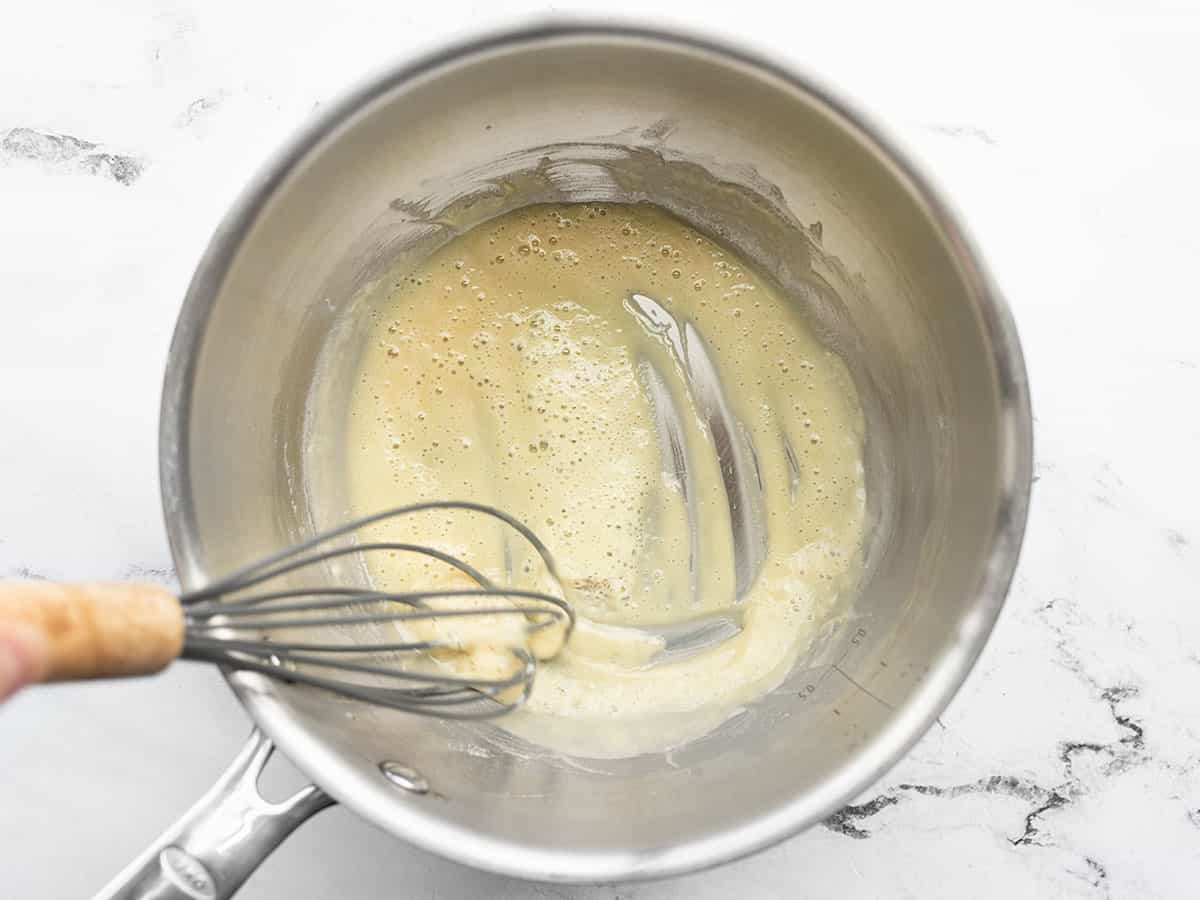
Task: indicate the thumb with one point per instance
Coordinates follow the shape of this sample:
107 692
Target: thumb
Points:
23 657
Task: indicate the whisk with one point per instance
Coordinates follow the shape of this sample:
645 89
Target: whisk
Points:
243 622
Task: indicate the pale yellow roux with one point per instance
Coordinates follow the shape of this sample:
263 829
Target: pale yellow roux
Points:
508 369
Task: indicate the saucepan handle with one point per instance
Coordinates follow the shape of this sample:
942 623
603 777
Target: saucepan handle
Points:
214 847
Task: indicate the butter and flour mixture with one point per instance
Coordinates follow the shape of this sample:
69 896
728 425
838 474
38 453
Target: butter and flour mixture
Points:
663 419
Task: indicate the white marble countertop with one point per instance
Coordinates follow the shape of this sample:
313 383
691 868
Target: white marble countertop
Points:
1068 134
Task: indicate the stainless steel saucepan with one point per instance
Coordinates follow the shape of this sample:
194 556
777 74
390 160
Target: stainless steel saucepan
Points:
746 150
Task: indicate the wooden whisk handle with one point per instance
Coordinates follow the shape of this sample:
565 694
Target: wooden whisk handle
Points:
97 630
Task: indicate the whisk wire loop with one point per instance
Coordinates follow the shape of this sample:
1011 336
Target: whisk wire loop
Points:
240 630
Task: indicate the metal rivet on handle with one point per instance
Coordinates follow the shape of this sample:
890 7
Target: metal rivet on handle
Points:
404 777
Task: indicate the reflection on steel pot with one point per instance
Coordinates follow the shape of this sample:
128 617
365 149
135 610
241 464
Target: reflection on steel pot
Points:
741 148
